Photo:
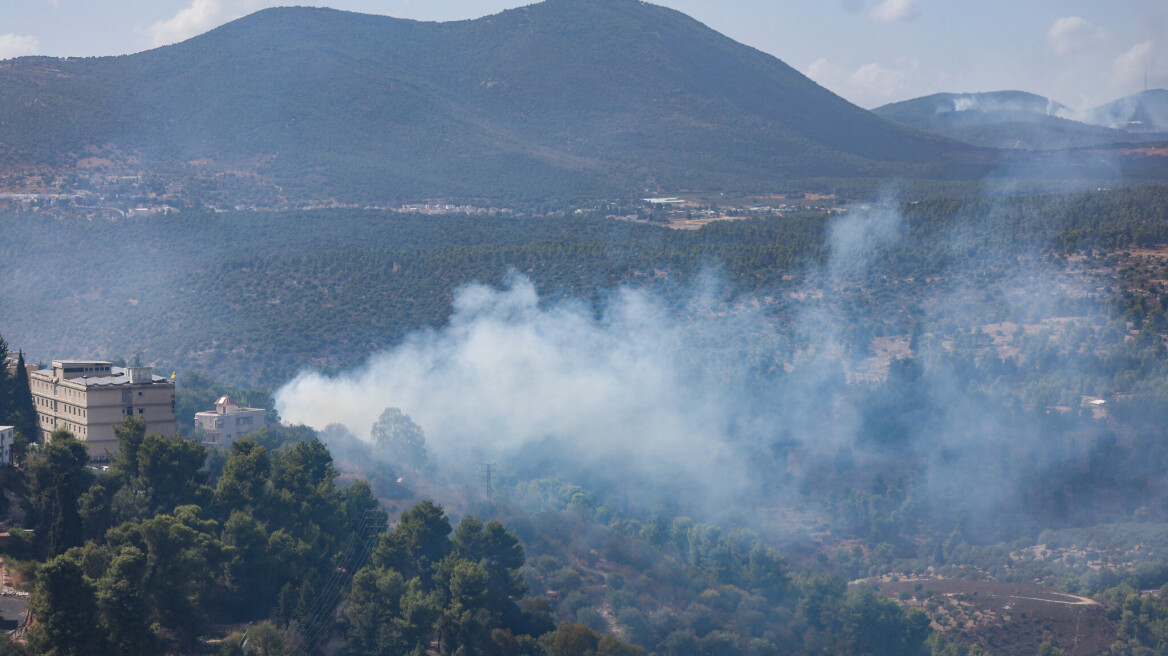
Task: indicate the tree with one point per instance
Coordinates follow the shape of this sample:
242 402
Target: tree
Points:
305 504
417 544
500 555
245 477
265 640
250 577
465 622
387 615
65 456
402 441
361 508
169 473
65 532
122 604
65 608
23 414
182 556
574 640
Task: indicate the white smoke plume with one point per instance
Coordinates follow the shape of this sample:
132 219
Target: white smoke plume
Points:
697 391
510 371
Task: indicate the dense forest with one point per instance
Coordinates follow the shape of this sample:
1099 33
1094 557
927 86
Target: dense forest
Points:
259 296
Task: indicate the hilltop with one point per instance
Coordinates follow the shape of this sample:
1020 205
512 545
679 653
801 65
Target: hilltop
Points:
1146 111
557 98
1005 119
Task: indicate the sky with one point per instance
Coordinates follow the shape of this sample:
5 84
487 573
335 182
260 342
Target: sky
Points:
1081 53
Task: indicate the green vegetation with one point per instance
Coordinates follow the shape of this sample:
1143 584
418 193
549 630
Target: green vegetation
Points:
162 549
144 555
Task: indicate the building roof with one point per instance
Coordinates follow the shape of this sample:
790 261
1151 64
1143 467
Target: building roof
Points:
226 400
118 377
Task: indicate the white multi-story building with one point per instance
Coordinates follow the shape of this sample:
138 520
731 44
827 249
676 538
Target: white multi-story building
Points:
90 397
228 421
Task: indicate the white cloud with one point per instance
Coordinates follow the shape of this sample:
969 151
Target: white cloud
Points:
817 70
876 82
1072 35
1129 68
199 17
891 11
203 15
16 45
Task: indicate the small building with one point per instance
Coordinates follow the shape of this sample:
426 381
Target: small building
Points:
7 437
228 421
91 397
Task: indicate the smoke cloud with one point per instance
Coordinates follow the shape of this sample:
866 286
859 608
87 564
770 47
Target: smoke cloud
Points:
707 397
509 371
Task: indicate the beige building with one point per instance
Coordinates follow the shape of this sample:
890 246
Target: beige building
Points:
90 397
228 421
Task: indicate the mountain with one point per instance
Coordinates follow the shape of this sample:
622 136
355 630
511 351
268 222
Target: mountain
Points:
1146 111
1003 119
560 97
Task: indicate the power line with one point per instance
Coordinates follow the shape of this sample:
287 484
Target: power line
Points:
352 557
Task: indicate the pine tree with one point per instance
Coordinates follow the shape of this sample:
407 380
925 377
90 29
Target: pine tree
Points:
65 608
66 531
23 412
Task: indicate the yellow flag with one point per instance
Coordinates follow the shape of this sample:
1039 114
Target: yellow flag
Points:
172 374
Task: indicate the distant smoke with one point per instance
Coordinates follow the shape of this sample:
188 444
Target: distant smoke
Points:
989 104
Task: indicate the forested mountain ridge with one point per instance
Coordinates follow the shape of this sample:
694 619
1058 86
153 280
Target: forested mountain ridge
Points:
1007 119
555 98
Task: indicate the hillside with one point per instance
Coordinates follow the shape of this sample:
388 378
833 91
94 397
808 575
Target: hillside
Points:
1003 119
560 97
257 296
1146 111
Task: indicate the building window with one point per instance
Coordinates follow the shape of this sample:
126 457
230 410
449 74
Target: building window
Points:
141 411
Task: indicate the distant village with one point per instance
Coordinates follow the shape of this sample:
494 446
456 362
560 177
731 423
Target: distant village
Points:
111 192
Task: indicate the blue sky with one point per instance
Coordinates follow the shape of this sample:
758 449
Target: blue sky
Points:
1078 52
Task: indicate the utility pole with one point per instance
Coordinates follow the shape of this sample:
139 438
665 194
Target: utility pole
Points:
487 470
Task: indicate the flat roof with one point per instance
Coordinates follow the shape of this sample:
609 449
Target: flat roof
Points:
66 363
118 377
